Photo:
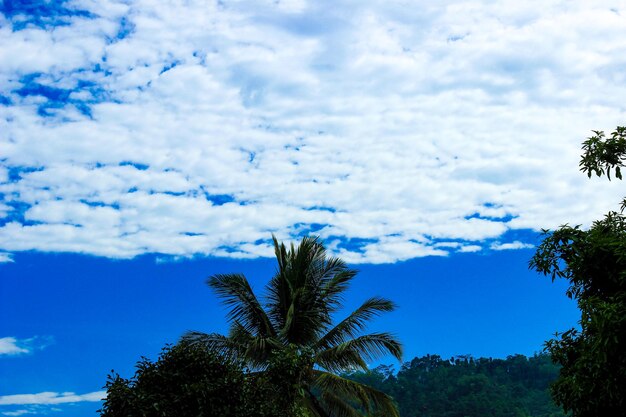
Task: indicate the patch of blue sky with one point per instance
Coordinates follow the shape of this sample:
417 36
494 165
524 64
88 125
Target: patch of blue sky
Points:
96 165
202 55
82 95
307 229
90 203
5 101
506 217
101 68
522 237
216 199
322 208
169 66
219 199
192 234
137 165
445 242
31 87
352 244
528 236
126 28
16 173
293 146
44 14
230 249
503 219
17 213
172 193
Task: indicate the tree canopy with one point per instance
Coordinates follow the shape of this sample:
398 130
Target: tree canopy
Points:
463 386
291 341
592 381
185 381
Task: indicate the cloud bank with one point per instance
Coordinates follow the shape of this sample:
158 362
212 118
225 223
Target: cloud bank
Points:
392 130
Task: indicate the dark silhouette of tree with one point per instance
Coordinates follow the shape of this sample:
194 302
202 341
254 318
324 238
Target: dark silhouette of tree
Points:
291 341
592 381
186 381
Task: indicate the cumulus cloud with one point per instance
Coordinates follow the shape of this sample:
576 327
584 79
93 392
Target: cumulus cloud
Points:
5 257
512 245
201 128
14 346
49 398
10 346
470 248
17 412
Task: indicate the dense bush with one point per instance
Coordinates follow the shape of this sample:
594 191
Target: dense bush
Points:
187 381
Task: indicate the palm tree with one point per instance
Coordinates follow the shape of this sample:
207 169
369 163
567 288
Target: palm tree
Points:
292 333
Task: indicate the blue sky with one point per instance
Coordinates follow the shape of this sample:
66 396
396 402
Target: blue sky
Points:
77 317
145 145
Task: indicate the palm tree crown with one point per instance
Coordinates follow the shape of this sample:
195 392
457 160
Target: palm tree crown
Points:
294 325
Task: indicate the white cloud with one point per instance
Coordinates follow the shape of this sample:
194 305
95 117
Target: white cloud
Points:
470 248
48 398
5 257
214 125
13 346
36 409
511 245
18 412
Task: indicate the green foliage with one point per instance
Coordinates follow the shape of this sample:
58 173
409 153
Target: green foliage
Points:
601 153
593 375
185 381
466 387
290 341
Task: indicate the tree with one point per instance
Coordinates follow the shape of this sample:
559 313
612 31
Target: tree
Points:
185 381
469 387
290 340
592 381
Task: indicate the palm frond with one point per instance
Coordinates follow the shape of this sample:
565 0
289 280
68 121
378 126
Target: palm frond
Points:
346 360
239 346
337 406
222 345
334 287
237 295
278 297
296 304
370 399
313 405
355 353
356 322
257 349
281 253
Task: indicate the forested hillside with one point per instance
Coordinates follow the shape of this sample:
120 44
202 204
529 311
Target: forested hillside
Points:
467 387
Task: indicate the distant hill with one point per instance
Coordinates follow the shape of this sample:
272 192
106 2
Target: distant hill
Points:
467 387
